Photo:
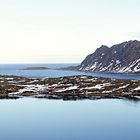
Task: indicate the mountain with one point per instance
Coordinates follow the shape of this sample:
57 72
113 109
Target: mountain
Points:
121 58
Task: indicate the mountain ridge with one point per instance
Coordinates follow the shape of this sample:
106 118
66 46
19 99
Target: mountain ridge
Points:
120 58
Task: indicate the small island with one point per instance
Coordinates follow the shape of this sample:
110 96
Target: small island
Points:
36 68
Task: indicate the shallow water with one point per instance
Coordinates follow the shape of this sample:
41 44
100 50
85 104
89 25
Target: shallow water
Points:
17 70
41 119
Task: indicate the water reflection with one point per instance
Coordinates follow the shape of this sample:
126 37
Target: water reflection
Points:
41 119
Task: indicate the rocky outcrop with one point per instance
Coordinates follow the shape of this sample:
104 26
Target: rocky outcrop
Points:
122 58
68 88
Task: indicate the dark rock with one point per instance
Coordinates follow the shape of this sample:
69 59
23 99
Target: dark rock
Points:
124 57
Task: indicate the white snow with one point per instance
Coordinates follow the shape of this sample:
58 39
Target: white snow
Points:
83 77
99 86
94 65
138 88
118 62
138 97
123 86
9 78
67 89
30 88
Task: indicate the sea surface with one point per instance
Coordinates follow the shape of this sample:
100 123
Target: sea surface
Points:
42 119
17 69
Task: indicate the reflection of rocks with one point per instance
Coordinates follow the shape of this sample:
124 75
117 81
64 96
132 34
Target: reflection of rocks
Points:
68 88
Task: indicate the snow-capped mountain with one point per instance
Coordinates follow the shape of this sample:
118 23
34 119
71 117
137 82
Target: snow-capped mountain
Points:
122 58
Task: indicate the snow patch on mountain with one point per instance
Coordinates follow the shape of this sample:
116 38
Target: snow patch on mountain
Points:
121 58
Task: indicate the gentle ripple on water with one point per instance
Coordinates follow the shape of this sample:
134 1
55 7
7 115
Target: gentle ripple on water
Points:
16 69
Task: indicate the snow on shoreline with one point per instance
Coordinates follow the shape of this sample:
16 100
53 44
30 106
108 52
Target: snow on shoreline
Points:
29 88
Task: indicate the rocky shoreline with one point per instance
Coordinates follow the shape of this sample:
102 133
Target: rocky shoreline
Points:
68 88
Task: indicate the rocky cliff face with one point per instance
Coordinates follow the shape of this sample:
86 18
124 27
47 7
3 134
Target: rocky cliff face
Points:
124 57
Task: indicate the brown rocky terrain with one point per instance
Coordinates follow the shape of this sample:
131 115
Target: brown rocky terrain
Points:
68 88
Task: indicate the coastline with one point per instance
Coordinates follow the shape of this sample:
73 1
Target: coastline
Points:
74 68
69 88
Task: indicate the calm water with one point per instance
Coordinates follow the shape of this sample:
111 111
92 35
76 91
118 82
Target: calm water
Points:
17 70
40 119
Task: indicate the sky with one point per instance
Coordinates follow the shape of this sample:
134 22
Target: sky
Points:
64 31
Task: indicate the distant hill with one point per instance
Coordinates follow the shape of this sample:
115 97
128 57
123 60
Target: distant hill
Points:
122 58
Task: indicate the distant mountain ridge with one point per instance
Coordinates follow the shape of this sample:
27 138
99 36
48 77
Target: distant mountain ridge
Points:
120 58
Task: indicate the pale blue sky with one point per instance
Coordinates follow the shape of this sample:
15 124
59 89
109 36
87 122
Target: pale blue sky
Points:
64 31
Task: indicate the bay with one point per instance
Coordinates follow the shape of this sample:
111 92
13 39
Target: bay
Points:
17 69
